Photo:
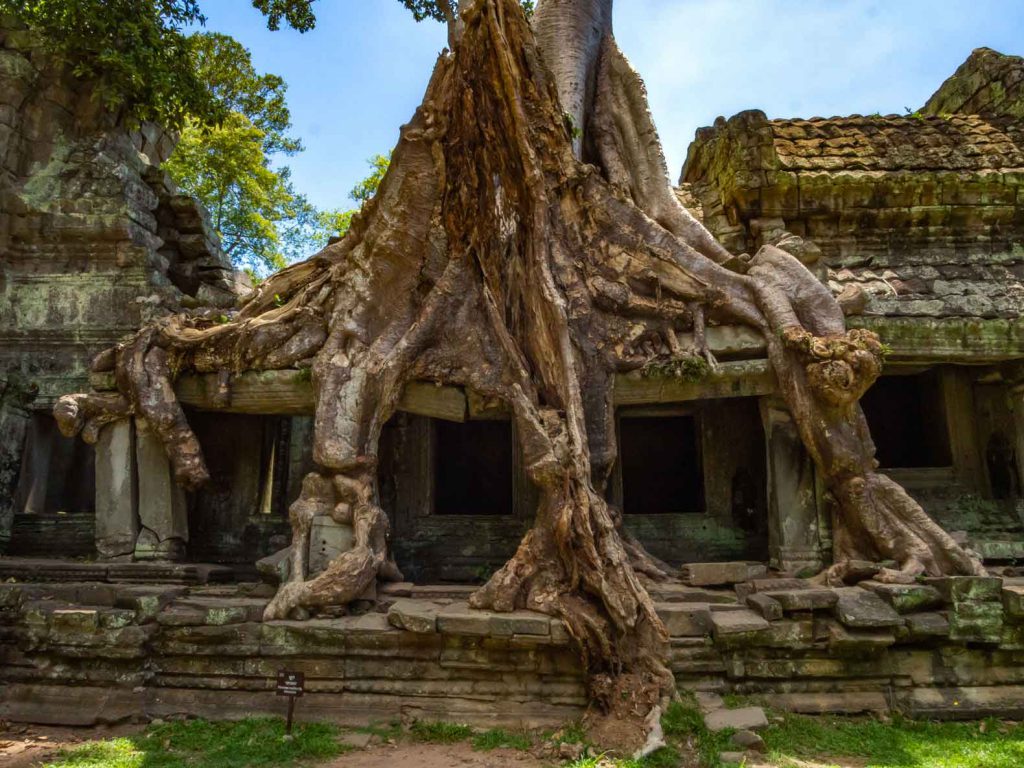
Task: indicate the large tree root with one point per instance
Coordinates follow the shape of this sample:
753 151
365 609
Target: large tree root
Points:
492 257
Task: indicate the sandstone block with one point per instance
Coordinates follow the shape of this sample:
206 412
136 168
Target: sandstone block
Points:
418 616
117 520
1013 600
732 628
843 641
906 598
685 619
460 619
732 758
745 718
774 585
762 603
803 599
520 623
921 626
713 574
748 740
976 622
859 608
960 589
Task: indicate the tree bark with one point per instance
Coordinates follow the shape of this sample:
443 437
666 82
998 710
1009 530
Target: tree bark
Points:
494 258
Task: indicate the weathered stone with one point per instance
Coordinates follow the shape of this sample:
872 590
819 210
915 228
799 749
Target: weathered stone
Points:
959 589
163 512
520 623
732 758
803 599
745 718
117 517
1013 600
745 739
713 574
859 608
685 619
327 540
980 622
859 641
414 615
764 604
460 619
906 598
276 568
775 585
733 628
708 701
926 625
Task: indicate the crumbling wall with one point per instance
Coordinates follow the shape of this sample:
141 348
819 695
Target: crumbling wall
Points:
94 238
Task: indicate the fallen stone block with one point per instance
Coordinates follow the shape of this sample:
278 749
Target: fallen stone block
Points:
742 719
774 585
748 740
685 619
803 599
418 616
712 574
859 608
732 758
769 608
708 701
906 598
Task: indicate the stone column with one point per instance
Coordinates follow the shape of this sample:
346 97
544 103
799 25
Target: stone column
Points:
163 512
794 537
117 496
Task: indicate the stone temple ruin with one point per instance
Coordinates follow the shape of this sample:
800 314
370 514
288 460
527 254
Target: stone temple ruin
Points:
125 596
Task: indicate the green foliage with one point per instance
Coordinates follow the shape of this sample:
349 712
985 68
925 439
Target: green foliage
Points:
433 9
211 745
440 732
367 188
136 52
897 744
498 738
683 723
690 368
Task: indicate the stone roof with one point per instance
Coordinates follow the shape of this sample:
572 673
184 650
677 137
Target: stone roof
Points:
899 143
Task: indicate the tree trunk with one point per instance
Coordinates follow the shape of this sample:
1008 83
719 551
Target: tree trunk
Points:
494 258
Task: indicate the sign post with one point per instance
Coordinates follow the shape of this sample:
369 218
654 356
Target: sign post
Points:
292 685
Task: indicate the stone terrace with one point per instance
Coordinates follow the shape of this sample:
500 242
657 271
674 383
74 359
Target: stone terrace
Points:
79 653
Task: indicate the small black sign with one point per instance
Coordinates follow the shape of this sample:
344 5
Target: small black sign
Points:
290 683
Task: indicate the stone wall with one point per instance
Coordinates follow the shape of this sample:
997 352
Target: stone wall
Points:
85 652
94 240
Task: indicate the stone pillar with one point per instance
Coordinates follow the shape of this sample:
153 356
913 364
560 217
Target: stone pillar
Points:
794 537
163 512
117 496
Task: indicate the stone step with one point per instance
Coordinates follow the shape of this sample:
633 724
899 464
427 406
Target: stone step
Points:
744 718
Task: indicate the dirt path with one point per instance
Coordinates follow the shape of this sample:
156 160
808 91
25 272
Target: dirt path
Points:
435 756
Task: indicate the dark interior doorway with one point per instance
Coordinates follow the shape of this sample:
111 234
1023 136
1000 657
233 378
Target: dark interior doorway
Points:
661 465
907 417
473 467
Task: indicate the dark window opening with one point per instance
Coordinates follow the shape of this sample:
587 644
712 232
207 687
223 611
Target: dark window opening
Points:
661 465
907 418
473 467
57 472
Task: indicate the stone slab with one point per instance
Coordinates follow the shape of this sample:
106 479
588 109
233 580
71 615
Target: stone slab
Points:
768 607
843 641
713 574
460 619
859 608
735 628
906 598
961 589
1013 600
744 718
979 622
927 625
685 619
418 616
803 599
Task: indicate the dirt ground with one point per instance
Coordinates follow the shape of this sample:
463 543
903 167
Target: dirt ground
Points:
434 756
27 746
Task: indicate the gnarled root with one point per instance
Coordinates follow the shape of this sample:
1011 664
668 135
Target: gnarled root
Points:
348 499
880 521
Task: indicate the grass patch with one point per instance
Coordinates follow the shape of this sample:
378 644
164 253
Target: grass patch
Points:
245 744
497 738
391 731
440 732
897 744
683 722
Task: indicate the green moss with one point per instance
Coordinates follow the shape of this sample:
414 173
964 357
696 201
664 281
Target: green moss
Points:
687 368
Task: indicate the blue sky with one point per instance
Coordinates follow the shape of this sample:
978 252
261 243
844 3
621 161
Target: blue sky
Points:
360 74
